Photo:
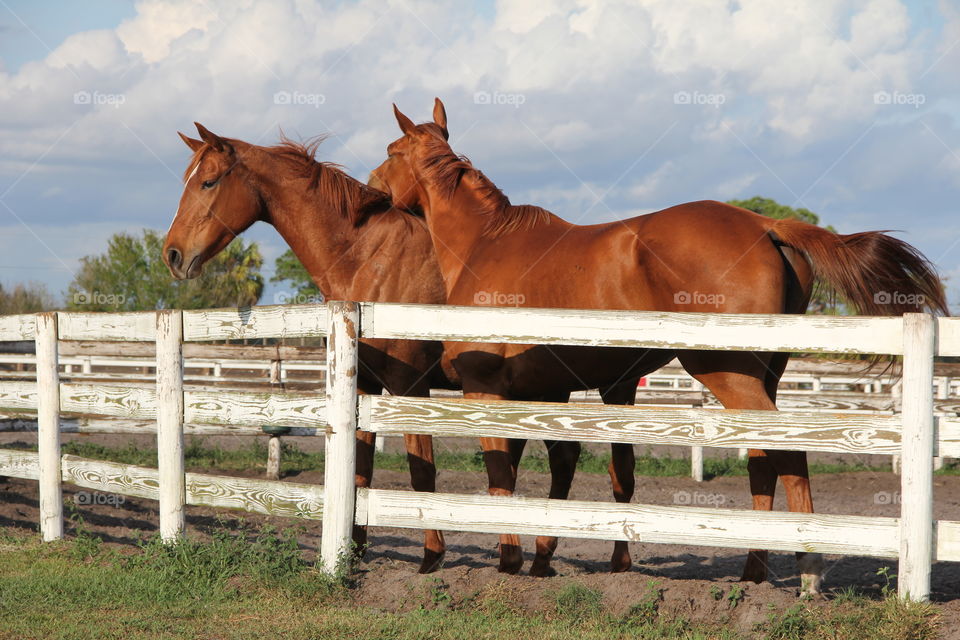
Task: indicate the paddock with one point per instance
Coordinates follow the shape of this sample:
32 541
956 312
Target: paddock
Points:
914 538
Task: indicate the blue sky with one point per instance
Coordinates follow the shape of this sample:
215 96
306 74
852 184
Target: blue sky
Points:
598 109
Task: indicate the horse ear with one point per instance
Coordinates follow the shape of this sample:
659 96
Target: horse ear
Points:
440 117
193 143
406 124
211 139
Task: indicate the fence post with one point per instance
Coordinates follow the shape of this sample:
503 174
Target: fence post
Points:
274 447
48 427
339 492
696 463
173 491
916 462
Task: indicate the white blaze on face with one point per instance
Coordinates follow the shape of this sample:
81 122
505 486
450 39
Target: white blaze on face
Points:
185 184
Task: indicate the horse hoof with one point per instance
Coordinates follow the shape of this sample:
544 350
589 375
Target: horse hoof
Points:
431 561
621 566
511 559
810 584
755 570
542 570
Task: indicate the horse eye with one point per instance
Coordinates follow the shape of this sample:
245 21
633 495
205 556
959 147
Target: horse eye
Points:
208 184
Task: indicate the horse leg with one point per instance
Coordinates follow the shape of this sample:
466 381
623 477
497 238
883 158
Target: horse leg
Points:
763 476
563 456
500 456
791 466
622 467
423 471
763 485
363 477
749 381
423 477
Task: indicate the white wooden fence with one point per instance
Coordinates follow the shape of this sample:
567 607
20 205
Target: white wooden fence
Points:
915 538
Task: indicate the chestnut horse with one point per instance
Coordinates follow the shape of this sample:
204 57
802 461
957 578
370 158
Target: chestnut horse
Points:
352 242
695 257
355 246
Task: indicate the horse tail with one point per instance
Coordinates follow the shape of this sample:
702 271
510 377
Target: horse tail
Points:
878 274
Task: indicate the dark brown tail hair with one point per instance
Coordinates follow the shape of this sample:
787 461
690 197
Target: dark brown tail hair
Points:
875 272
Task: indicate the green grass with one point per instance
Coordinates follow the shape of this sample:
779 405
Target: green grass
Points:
244 583
254 455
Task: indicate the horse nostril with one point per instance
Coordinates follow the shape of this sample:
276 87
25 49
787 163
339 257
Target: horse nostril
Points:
174 258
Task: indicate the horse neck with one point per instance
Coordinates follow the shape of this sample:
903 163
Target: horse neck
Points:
456 227
326 242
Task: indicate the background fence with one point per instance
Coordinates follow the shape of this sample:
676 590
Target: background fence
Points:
915 538
808 384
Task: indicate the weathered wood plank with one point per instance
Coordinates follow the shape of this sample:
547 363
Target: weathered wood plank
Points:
948 336
194 351
284 499
947 538
254 408
251 409
269 497
946 437
647 329
18 395
637 425
137 326
109 400
277 321
20 464
741 529
17 327
111 477
90 424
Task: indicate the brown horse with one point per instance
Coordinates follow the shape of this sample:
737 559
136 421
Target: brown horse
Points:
355 246
696 257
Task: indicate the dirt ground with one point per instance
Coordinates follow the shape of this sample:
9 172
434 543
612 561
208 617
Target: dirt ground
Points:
685 574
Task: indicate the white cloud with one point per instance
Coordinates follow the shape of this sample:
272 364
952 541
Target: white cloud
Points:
597 78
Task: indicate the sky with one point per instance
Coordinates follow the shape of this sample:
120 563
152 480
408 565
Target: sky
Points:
595 109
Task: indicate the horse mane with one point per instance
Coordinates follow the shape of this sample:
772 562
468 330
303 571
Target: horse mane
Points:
355 199
446 171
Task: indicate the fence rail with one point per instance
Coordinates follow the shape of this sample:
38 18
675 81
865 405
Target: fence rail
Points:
916 434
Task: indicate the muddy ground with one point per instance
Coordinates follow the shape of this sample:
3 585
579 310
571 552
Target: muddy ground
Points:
685 574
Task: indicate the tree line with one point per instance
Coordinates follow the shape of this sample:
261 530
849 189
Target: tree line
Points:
131 276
